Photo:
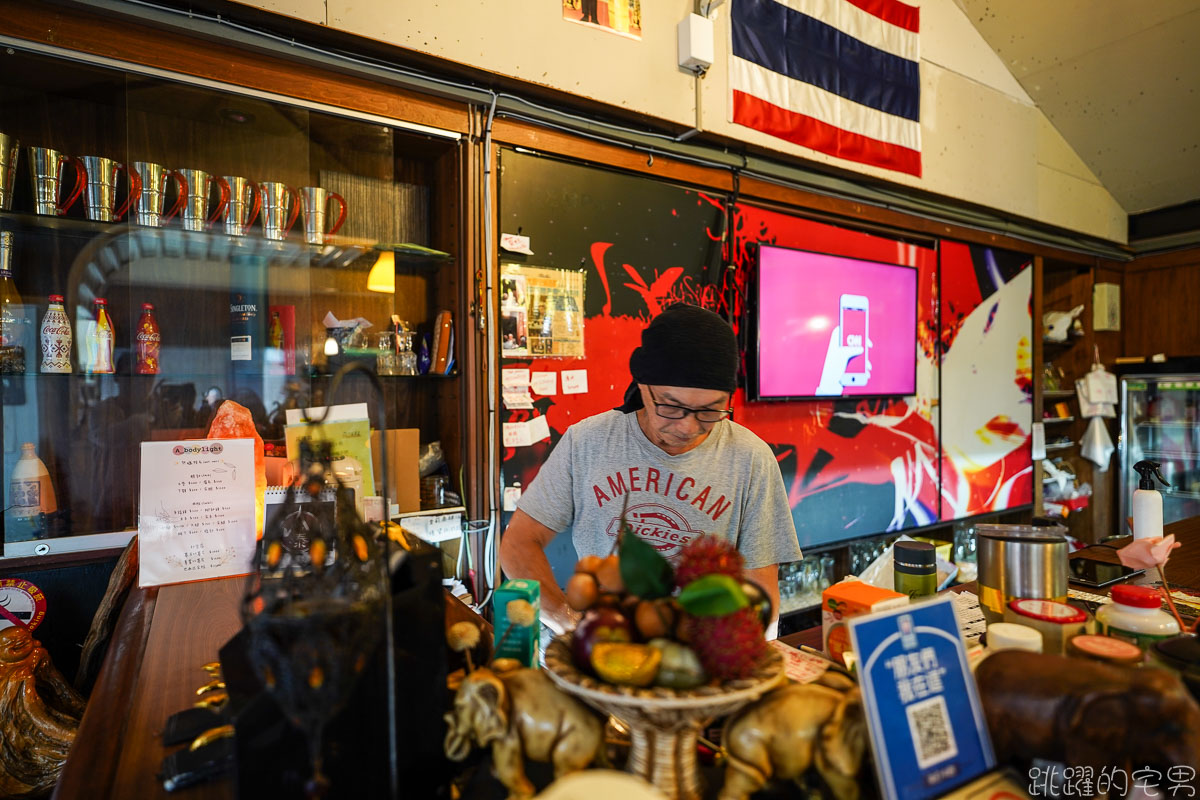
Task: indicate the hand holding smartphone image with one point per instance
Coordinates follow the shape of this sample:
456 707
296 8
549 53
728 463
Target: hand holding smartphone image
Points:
832 326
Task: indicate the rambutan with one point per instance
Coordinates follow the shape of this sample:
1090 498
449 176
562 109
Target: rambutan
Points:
729 646
707 555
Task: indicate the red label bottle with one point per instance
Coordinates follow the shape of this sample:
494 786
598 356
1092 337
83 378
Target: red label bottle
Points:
148 342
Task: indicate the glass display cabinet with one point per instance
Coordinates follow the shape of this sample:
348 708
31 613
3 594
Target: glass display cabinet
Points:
251 227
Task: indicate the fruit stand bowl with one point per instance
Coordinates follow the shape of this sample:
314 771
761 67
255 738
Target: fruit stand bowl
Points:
663 723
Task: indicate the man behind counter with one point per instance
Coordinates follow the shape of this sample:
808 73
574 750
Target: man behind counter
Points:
687 468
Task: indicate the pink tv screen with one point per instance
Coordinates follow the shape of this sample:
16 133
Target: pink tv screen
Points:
831 326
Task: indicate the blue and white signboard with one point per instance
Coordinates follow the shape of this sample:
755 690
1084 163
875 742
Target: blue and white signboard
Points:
923 711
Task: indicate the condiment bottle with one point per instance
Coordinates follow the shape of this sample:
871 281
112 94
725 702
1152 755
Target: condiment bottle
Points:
1056 622
56 338
1105 649
148 342
14 326
31 491
914 570
1136 616
100 340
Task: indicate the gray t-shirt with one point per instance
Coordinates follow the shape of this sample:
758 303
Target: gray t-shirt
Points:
730 486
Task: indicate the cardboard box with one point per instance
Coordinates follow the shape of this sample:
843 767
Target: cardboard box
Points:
404 480
522 643
849 599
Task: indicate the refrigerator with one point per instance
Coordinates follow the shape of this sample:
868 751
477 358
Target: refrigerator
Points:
1160 421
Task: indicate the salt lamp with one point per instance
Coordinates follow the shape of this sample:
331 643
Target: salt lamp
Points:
233 421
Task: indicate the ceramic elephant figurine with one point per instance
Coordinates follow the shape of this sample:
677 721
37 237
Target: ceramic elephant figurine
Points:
522 715
792 728
1086 714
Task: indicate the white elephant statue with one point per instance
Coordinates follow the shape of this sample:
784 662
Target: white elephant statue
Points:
782 734
522 715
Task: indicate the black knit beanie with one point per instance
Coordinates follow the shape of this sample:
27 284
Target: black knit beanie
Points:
684 346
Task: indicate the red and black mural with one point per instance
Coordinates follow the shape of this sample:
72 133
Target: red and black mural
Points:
853 467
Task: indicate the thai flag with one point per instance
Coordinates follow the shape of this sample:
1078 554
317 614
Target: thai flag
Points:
838 76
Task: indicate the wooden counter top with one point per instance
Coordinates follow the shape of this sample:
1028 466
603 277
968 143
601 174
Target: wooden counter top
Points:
152 670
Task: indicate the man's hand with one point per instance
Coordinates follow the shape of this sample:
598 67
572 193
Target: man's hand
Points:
837 356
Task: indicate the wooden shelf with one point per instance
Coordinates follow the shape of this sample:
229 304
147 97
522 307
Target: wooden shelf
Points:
1058 393
1052 448
1057 420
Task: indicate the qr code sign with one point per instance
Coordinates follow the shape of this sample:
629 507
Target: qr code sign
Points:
931 732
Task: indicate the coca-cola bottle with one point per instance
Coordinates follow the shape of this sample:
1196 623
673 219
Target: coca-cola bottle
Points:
148 342
100 340
56 337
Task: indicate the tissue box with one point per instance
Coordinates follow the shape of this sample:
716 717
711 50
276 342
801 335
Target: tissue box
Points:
522 644
849 599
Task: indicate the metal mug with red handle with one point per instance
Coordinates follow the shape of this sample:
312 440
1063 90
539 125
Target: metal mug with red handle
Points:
279 202
245 201
100 188
148 209
197 188
46 166
314 201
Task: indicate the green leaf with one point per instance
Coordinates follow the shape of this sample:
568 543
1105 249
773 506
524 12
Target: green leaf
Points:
713 596
645 573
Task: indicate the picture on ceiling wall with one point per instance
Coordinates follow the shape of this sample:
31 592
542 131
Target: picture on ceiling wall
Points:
623 17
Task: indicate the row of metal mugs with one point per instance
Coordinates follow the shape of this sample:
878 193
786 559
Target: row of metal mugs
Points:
240 202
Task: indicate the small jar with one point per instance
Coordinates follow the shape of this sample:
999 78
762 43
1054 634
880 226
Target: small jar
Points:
1136 616
1056 622
1010 636
1105 649
914 570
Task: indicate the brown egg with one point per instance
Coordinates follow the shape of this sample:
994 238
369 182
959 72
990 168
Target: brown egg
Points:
582 591
654 619
589 564
609 575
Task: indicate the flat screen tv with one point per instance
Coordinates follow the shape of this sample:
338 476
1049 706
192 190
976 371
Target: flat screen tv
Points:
830 326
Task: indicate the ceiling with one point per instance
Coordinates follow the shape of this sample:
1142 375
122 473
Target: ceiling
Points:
1119 79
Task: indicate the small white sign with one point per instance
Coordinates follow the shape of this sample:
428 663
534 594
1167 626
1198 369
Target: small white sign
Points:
538 429
339 413
516 434
196 514
1039 441
511 495
514 378
544 383
515 243
517 399
239 348
574 381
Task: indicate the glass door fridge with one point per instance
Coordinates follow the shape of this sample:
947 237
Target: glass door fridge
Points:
1160 421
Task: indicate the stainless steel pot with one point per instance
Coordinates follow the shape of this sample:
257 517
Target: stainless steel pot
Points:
1019 561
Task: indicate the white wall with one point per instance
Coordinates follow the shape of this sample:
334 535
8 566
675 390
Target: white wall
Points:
984 141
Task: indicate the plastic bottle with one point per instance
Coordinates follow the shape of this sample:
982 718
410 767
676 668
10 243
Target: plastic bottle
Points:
31 491
1136 616
149 341
101 340
1147 502
56 337
14 326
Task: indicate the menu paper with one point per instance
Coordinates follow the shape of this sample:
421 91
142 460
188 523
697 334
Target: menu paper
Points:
196 518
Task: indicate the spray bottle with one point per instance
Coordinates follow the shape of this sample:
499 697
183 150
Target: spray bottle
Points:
1147 503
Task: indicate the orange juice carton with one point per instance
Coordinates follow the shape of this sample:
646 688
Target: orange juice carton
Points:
849 599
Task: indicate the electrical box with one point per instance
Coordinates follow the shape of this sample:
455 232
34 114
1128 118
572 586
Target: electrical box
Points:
695 35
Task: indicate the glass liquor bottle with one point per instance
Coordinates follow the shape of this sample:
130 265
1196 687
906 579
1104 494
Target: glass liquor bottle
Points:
149 342
56 337
30 490
101 340
14 325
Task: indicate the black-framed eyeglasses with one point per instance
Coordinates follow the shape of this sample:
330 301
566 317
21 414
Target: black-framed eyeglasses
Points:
669 411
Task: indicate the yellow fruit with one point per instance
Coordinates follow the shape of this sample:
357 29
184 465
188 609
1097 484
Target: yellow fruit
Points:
589 564
582 591
609 575
626 664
